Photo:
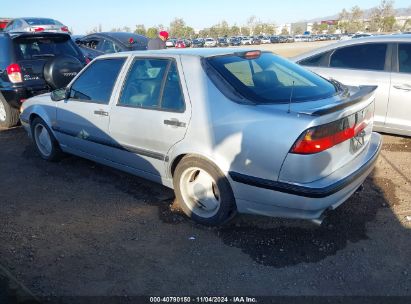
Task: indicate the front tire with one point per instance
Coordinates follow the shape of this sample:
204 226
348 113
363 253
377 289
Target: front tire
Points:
203 192
44 140
9 117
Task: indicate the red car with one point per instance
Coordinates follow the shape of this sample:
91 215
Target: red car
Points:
180 44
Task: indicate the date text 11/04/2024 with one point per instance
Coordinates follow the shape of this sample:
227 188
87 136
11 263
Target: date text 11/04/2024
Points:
203 300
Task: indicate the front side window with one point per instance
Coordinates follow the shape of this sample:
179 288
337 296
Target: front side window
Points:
268 78
96 83
362 57
404 58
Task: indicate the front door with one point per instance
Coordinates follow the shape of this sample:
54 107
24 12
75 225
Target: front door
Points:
151 115
399 106
82 120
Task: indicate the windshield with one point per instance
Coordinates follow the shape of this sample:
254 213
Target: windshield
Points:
271 79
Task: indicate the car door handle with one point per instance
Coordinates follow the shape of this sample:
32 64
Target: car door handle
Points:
101 113
404 87
174 122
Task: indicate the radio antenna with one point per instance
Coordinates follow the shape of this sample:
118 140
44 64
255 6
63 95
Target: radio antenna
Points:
291 98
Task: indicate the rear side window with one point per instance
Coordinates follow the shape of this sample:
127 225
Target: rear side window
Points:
96 83
315 61
34 48
361 57
404 58
271 79
153 84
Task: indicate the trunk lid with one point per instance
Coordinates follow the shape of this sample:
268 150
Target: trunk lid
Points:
34 51
337 133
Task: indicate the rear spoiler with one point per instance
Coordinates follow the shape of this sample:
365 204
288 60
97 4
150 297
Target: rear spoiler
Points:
364 93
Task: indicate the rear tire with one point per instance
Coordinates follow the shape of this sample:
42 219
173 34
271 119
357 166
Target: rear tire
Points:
203 192
9 117
44 140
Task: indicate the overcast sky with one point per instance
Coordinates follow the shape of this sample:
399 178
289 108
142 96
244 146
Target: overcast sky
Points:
83 15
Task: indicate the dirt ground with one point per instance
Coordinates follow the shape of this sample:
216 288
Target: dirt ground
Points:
75 228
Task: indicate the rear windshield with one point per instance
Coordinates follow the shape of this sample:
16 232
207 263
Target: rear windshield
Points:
271 79
33 48
41 21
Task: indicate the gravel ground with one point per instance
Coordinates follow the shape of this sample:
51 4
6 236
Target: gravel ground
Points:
78 228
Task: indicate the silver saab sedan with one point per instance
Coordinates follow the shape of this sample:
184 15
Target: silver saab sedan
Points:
229 131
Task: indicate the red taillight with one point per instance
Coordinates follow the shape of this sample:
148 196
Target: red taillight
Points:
38 29
131 40
14 73
87 60
65 29
323 137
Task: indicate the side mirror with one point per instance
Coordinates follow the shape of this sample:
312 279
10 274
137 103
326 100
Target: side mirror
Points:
59 94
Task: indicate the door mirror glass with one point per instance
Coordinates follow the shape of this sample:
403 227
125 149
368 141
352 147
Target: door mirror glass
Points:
58 94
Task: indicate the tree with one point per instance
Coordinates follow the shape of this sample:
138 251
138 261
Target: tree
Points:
152 32
298 30
323 27
251 24
234 30
284 31
356 20
177 27
245 31
315 28
383 17
140 29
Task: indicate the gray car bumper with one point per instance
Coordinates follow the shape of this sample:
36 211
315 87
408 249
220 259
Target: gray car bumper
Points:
272 198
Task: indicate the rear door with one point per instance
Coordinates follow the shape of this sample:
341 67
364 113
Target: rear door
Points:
83 119
361 64
151 115
399 106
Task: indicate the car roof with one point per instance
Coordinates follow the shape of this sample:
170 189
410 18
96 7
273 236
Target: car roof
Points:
196 52
381 38
121 36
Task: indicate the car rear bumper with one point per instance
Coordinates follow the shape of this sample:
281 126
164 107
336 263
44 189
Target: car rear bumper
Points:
16 96
265 197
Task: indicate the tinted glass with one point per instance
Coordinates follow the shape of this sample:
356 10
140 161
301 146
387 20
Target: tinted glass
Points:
362 57
143 84
97 82
317 60
271 79
404 58
173 96
108 47
32 48
40 21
